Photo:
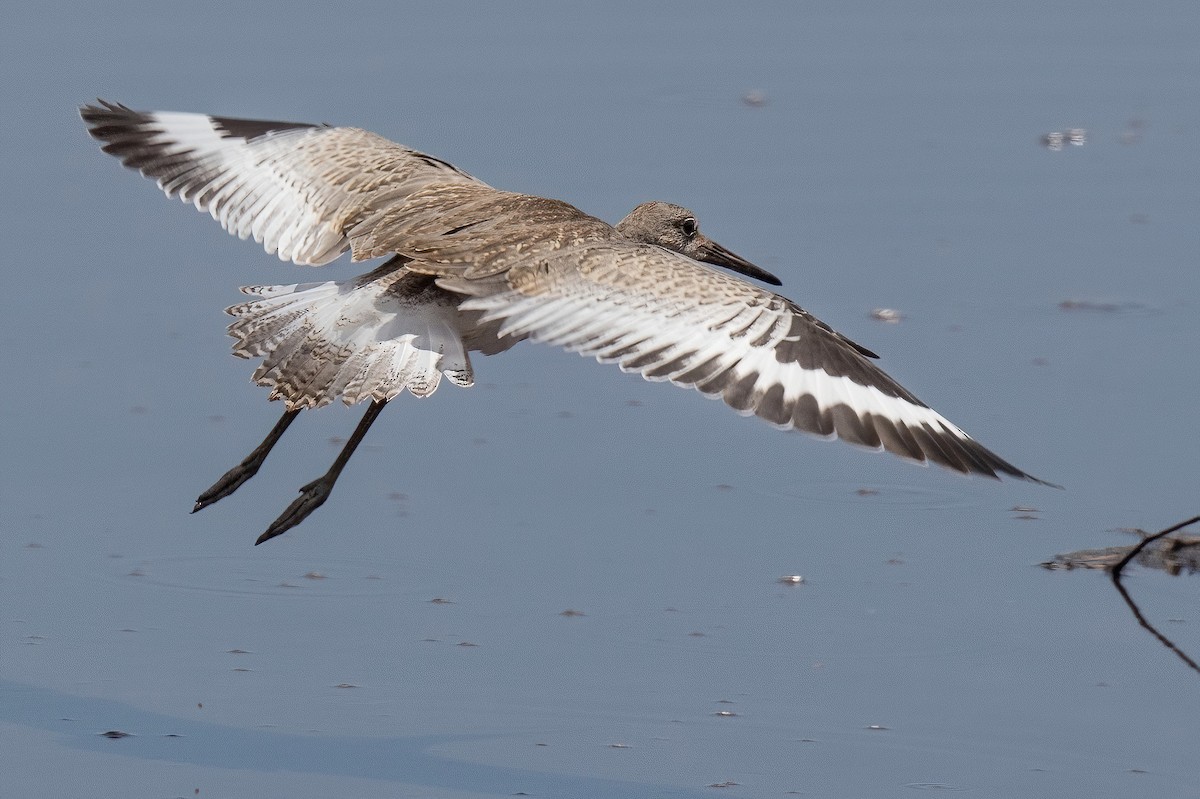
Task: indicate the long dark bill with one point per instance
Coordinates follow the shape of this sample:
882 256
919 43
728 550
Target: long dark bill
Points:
712 253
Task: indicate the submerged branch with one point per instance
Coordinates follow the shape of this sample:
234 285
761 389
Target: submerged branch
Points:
1177 555
1137 613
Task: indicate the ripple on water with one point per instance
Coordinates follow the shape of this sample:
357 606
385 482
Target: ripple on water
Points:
278 576
840 492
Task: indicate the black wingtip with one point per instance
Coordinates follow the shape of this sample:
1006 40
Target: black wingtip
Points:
90 111
1042 482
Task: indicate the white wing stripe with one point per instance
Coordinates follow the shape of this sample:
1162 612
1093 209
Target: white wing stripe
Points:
645 340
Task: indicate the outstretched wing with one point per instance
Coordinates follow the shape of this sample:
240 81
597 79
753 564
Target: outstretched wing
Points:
299 189
667 317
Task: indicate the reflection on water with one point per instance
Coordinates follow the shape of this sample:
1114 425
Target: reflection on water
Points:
91 724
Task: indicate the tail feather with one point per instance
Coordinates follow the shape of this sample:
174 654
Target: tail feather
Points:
367 338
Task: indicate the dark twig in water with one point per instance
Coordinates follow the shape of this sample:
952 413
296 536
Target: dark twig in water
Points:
1137 613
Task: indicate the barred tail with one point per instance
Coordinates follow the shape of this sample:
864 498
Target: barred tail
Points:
371 337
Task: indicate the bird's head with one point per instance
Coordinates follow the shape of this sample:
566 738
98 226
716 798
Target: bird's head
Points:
674 227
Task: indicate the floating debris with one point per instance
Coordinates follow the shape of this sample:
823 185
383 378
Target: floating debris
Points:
437 600
1101 306
618 746
889 315
1175 555
572 613
725 714
1057 140
877 728
1133 131
726 784
116 734
1024 511
791 579
754 98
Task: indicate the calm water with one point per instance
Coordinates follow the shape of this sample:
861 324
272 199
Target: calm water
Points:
895 163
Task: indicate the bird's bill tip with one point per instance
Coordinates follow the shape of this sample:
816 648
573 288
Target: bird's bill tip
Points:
712 253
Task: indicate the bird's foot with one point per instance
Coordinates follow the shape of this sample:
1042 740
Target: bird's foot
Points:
228 483
312 496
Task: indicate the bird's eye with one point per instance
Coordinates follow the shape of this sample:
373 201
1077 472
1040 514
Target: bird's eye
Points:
688 226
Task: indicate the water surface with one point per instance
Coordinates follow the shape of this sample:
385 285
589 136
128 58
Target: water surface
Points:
893 162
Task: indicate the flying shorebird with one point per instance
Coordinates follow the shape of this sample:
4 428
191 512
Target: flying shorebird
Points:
474 269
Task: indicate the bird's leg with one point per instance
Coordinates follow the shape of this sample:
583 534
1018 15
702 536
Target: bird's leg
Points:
313 495
233 479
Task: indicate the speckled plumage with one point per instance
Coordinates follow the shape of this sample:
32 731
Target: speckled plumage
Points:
476 269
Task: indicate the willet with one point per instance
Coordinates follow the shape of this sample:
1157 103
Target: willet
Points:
474 269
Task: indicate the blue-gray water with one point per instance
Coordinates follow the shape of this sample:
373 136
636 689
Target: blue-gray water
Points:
895 163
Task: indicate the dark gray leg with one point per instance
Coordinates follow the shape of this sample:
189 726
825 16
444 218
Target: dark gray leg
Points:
233 479
313 495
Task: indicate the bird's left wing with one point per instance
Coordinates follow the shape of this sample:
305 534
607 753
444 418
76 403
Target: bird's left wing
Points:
667 317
